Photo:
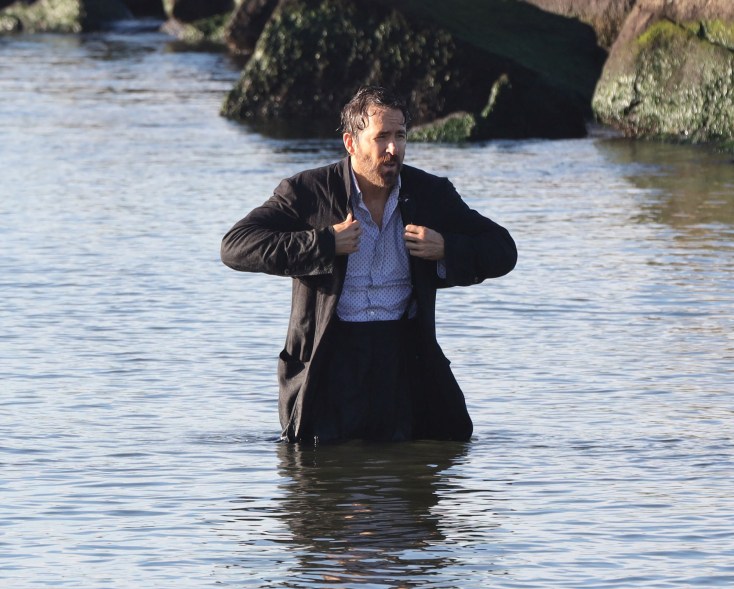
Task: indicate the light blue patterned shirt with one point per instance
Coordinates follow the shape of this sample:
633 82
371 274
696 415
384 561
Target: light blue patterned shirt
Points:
377 286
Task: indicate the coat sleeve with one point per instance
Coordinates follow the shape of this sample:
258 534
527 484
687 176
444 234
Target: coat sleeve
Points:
276 238
476 248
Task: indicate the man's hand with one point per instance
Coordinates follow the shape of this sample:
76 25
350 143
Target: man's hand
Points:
423 242
346 235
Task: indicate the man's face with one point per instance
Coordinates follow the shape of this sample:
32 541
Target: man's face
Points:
378 151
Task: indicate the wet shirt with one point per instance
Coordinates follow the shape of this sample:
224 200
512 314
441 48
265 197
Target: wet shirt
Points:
377 285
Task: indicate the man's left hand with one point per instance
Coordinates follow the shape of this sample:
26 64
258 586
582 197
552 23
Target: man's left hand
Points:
423 242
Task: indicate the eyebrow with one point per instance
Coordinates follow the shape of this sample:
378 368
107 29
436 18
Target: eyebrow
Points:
399 132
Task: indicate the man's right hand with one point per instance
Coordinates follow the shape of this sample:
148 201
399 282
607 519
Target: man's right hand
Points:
346 235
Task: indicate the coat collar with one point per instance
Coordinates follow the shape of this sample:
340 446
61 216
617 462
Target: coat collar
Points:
346 174
406 201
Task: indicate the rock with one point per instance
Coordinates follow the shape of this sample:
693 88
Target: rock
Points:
606 17
207 31
524 106
247 22
517 109
10 24
198 21
153 8
64 16
670 74
454 128
189 11
562 50
313 55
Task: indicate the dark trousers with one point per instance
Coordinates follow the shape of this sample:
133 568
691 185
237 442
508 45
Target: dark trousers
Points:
364 392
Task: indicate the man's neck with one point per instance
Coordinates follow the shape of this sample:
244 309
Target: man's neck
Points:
373 197
371 192
375 194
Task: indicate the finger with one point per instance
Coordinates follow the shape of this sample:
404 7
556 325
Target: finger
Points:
349 218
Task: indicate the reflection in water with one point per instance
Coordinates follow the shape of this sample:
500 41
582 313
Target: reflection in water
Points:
692 187
364 513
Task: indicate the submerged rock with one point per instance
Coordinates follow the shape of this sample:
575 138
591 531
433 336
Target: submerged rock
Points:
670 74
62 16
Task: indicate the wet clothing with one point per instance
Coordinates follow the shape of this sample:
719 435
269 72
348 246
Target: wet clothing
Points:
377 285
291 235
365 390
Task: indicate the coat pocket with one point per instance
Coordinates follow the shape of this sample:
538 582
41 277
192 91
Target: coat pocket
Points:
292 374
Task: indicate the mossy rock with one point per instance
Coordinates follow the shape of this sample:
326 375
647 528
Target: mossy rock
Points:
64 16
313 55
198 22
716 32
520 107
671 83
211 30
562 50
10 24
454 128
248 21
192 11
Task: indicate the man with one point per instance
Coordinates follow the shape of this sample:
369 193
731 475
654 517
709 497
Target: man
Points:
367 241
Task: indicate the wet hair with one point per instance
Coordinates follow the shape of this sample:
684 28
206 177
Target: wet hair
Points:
355 114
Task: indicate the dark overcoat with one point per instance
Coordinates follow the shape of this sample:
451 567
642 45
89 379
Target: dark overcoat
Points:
291 235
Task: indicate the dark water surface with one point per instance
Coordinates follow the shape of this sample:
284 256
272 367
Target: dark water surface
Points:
138 396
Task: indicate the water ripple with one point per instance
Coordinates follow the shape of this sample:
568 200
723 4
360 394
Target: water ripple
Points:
138 406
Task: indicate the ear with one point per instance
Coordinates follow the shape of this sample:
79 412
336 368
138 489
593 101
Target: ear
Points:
349 142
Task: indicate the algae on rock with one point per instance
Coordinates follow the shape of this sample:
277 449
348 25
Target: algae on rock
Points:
312 55
198 21
63 16
310 58
455 128
674 84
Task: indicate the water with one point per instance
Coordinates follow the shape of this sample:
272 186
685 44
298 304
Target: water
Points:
138 401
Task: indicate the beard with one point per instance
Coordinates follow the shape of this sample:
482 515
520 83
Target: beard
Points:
382 172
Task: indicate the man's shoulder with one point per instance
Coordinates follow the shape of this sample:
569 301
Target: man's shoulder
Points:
320 173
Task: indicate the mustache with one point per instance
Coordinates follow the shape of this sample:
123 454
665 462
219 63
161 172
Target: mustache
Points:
389 159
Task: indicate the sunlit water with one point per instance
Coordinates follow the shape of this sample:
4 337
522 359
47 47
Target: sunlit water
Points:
138 404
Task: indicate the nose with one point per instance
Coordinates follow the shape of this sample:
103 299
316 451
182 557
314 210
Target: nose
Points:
391 149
